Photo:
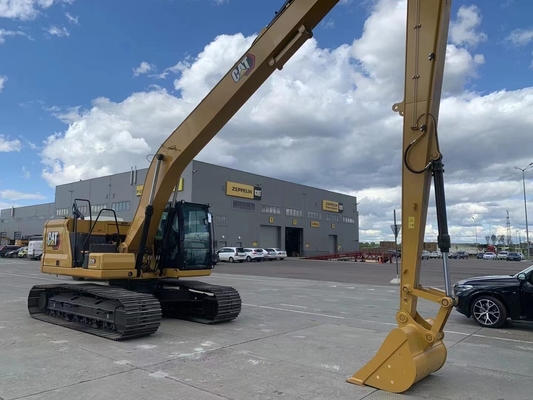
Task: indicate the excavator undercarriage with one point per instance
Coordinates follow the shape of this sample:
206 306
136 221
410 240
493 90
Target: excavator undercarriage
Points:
134 310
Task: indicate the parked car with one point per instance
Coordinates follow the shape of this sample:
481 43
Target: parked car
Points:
254 254
514 256
281 254
4 249
270 254
231 254
480 255
435 254
489 255
23 252
502 255
12 253
462 254
425 255
491 300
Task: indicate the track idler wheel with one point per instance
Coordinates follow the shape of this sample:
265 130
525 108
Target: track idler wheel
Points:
407 355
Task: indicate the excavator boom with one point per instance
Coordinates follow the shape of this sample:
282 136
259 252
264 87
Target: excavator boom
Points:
274 46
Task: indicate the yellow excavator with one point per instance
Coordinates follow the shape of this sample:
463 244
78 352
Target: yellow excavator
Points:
144 261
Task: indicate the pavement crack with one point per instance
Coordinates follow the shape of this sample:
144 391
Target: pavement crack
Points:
70 385
273 335
173 379
464 338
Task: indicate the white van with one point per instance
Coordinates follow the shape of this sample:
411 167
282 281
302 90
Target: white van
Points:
35 249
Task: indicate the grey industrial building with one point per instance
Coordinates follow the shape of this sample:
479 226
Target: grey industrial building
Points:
248 209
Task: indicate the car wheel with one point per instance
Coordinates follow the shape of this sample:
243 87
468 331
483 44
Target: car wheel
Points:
489 312
248 258
231 259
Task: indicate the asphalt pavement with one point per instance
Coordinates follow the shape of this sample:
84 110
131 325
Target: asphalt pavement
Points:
295 339
368 272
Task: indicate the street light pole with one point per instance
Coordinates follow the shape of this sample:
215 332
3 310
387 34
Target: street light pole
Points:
525 203
475 225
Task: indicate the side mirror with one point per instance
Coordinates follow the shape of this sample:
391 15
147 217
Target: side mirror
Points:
521 276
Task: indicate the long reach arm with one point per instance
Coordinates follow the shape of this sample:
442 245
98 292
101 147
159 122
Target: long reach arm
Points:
275 45
414 349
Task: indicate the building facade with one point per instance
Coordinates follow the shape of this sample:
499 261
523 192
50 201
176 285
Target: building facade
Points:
248 209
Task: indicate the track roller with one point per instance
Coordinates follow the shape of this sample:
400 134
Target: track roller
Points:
101 310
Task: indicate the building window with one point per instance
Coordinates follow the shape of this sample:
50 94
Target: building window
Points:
291 212
265 208
221 220
348 220
97 207
62 211
333 218
121 206
243 205
314 215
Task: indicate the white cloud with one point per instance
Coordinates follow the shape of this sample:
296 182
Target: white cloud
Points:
71 19
26 9
521 37
16 195
7 145
25 173
5 33
143 68
325 120
57 31
5 205
463 30
3 80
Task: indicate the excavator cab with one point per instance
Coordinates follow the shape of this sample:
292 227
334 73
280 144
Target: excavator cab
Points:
184 237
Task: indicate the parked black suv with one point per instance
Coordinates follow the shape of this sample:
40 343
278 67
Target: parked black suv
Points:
491 300
4 249
514 256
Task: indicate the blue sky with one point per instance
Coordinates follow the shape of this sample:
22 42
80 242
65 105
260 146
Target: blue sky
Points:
74 51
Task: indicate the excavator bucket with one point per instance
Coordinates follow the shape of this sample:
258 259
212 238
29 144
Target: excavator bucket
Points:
404 358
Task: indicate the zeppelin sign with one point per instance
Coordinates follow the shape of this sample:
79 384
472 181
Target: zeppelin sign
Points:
245 191
332 206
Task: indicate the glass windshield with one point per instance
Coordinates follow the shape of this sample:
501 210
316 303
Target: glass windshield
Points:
525 271
197 237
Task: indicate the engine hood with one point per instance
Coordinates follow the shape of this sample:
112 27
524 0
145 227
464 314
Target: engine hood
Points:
488 279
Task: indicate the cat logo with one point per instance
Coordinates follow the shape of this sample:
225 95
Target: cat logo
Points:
52 240
243 67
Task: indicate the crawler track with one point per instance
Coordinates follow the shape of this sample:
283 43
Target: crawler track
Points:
101 310
207 304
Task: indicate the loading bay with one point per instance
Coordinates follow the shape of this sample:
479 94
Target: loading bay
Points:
305 327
